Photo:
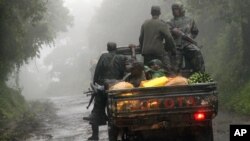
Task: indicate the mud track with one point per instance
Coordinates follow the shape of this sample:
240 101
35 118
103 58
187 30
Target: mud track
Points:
69 126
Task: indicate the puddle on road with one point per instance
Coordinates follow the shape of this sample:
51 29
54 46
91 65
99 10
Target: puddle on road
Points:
68 126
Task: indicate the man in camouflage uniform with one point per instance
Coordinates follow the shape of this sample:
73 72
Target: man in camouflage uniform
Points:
154 32
110 66
191 52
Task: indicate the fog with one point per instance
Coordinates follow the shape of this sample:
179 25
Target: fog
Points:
47 47
63 69
40 77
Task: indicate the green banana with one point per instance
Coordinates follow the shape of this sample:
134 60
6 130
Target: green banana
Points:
199 78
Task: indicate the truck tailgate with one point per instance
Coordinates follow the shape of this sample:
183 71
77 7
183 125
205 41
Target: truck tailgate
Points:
162 103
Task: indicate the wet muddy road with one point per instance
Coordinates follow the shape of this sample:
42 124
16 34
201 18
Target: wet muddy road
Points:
69 126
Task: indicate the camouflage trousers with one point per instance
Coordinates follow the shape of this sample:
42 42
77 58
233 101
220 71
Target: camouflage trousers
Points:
193 59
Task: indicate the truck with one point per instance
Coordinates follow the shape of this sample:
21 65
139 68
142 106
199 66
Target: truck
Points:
162 113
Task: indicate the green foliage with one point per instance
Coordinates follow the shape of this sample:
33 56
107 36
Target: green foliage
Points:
25 27
18 118
224 26
12 105
240 101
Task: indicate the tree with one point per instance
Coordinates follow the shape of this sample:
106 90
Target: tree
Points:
27 25
225 34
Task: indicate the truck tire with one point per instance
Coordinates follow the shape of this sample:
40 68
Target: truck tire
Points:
205 134
112 132
132 136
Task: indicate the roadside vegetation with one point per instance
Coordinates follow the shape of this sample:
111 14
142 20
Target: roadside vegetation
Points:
26 26
225 32
20 119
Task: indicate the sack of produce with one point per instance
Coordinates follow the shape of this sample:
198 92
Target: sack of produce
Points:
156 82
122 85
200 78
179 80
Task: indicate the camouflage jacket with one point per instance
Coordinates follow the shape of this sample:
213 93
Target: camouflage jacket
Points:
187 26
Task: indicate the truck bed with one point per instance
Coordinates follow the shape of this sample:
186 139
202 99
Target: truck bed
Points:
164 105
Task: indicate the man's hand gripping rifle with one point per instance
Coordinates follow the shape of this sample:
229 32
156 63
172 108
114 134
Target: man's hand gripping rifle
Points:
179 33
93 91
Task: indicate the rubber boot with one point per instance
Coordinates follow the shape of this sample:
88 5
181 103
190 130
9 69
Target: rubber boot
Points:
95 133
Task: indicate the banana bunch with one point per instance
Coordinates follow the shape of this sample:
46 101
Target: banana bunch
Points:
199 78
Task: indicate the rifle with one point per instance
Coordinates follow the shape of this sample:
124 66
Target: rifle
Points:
91 92
184 36
179 33
88 93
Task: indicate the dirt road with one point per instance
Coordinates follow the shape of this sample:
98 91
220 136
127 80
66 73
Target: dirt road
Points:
69 126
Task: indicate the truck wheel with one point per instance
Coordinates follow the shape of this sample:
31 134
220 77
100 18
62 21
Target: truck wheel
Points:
132 137
205 134
112 132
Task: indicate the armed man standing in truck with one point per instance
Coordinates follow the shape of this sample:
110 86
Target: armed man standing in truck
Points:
109 66
184 30
154 33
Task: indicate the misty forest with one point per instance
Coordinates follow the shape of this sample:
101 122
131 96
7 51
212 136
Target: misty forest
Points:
47 47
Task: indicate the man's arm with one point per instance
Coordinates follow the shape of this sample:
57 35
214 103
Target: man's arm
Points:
141 36
169 41
194 29
98 70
